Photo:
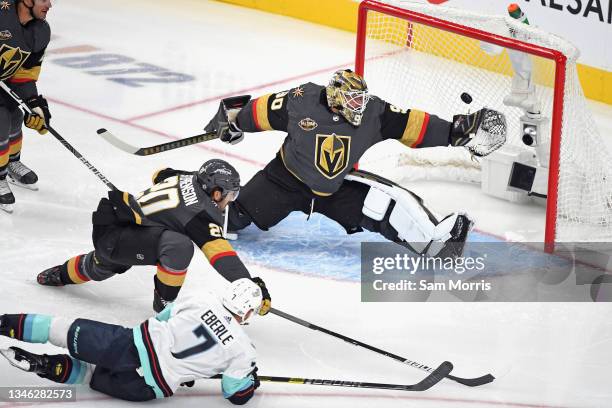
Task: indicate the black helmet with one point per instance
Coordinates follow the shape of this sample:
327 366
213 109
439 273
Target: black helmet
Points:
219 174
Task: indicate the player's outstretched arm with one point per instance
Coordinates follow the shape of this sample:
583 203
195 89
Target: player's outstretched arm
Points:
208 236
414 128
268 112
235 116
239 390
481 132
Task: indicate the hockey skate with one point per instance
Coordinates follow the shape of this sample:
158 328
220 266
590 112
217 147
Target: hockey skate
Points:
26 361
455 244
22 176
7 199
50 277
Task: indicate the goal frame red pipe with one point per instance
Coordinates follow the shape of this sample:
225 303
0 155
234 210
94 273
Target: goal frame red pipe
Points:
557 108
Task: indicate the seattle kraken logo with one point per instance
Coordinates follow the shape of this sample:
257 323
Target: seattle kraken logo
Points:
332 154
11 59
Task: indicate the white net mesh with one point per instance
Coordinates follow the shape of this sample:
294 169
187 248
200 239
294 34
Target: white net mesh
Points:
416 66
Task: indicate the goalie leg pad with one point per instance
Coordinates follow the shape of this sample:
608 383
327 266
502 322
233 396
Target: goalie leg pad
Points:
402 217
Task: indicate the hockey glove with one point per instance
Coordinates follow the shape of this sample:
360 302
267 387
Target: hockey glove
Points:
224 121
12 325
40 116
256 382
481 132
266 303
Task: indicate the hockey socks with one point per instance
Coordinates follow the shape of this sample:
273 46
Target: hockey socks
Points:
33 328
70 272
168 282
4 159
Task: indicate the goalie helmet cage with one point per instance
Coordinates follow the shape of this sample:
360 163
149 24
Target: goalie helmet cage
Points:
433 53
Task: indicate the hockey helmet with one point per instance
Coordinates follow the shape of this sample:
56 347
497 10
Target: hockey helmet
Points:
347 92
242 296
219 174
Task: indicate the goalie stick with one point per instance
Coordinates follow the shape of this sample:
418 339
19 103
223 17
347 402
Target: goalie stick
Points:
63 141
164 147
432 379
470 382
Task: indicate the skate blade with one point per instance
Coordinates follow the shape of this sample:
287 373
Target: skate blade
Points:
9 354
7 207
33 187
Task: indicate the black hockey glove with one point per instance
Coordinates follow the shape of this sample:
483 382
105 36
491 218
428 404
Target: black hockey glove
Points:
481 132
256 382
266 303
10 325
224 121
40 116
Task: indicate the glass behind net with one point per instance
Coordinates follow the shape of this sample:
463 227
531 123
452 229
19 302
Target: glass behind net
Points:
417 66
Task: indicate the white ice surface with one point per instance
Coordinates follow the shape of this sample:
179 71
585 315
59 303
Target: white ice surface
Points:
543 355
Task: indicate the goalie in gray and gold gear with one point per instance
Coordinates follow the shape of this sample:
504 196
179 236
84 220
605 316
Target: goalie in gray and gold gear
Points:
328 129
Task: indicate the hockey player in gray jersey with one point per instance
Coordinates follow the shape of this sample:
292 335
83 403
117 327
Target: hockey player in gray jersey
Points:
328 129
159 227
24 36
191 339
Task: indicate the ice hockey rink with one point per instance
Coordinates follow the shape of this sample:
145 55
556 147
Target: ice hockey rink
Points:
154 71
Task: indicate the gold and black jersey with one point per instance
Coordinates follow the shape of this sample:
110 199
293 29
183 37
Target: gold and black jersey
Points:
177 202
22 48
321 147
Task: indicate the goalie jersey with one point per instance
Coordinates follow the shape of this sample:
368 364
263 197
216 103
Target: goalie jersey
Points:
321 147
192 339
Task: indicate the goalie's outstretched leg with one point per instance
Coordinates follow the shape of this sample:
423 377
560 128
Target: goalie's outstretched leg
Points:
368 201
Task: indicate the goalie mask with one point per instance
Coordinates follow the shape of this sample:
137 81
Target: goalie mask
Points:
347 93
219 174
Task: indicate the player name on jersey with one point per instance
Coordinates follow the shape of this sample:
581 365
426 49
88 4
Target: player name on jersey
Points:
187 191
217 327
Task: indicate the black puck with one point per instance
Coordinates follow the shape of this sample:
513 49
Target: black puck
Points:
465 97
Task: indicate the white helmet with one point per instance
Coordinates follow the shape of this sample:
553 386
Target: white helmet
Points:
241 296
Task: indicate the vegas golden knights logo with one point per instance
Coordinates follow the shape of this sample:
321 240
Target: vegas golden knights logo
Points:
11 59
332 154
59 368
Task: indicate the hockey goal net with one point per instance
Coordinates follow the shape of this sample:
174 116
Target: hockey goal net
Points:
422 56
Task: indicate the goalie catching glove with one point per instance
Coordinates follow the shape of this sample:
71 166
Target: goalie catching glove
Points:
481 132
266 303
224 121
40 116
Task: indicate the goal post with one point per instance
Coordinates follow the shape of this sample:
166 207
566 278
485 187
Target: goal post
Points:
404 33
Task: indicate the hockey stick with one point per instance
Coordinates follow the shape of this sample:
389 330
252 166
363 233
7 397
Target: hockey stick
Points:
146 151
63 141
432 379
470 382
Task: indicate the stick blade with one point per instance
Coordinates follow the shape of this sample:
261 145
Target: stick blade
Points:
118 143
473 382
435 377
